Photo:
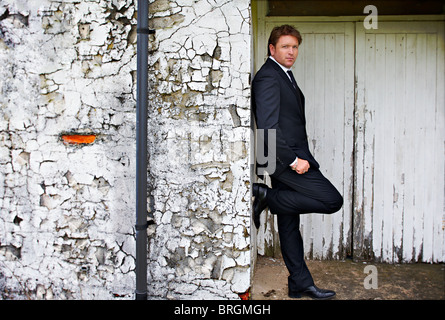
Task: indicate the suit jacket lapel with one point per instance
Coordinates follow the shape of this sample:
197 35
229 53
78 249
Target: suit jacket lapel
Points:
297 92
283 75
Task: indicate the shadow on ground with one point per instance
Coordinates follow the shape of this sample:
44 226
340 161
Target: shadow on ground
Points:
419 281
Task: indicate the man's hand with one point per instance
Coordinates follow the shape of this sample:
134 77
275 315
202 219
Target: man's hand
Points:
301 167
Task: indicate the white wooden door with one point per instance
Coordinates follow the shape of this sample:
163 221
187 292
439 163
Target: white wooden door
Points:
376 122
399 178
326 77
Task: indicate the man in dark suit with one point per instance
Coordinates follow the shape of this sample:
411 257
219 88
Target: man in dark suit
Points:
298 186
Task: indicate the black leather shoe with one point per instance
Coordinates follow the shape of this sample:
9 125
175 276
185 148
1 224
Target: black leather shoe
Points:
259 191
314 293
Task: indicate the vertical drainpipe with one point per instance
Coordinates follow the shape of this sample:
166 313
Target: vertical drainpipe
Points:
141 150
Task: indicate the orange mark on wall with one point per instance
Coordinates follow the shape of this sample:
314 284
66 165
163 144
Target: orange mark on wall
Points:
78 138
245 295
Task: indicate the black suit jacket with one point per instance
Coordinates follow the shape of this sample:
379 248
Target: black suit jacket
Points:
278 105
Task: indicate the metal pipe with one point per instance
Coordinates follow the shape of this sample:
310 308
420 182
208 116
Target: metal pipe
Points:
141 150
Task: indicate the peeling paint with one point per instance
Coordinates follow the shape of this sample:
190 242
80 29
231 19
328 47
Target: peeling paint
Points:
67 223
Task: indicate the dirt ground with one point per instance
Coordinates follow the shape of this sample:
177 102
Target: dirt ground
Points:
418 281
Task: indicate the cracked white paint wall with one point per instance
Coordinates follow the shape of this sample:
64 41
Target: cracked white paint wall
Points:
67 211
199 131
66 224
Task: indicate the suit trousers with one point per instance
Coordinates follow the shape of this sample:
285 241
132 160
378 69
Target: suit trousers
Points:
293 194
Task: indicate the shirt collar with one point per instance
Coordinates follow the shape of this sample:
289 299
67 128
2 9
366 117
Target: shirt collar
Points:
282 67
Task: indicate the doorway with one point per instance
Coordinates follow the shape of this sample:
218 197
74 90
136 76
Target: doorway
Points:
375 107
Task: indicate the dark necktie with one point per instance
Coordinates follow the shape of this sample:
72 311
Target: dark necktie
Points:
294 83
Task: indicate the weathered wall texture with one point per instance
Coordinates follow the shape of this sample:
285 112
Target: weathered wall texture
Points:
68 68
199 131
66 223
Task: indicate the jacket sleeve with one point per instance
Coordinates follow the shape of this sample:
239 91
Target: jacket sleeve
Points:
266 91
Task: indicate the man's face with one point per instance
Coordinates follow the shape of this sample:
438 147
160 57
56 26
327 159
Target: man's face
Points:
285 51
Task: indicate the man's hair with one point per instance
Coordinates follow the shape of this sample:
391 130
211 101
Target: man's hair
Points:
284 30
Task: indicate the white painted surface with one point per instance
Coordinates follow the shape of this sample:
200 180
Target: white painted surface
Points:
400 140
67 212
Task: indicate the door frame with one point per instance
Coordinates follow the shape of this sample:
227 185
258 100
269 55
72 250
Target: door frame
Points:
260 20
